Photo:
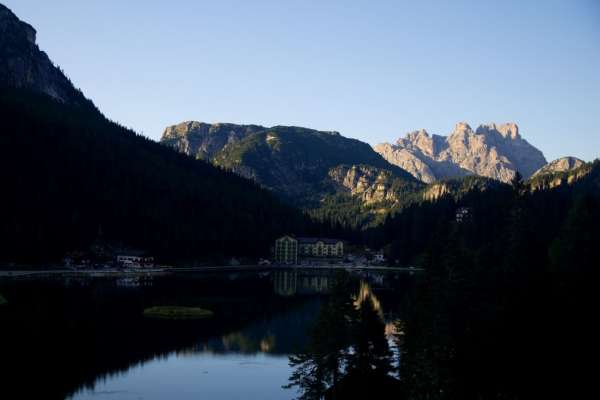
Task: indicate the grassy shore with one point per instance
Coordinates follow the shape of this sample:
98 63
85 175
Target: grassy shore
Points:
2 300
174 312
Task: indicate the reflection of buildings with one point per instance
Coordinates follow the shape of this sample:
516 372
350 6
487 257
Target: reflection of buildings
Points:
292 282
289 248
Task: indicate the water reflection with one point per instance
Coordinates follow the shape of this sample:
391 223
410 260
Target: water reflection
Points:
365 294
292 282
348 354
96 329
277 334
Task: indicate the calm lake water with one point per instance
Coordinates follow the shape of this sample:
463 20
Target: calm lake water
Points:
88 338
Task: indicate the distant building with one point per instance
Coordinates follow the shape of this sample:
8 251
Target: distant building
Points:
320 247
288 248
379 258
462 213
135 260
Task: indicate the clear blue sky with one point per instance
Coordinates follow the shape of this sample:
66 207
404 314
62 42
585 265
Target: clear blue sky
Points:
372 70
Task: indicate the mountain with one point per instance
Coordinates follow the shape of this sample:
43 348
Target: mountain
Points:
24 65
204 141
370 184
565 172
457 188
67 172
345 180
301 165
560 165
494 151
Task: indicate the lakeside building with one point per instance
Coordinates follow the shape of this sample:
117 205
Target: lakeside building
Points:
288 248
134 260
379 257
320 247
462 213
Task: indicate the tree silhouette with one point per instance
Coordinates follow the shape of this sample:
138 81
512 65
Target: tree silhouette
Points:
346 341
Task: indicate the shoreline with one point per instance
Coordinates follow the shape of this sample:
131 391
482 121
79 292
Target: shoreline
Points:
98 273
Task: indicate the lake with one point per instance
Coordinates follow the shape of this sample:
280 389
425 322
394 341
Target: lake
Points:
84 338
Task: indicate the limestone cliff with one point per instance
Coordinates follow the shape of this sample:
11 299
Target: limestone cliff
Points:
494 151
370 184
24 66
203 140
560 165
459 187
563 171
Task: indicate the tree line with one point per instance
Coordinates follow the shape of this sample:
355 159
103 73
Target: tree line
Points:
67 172
505 308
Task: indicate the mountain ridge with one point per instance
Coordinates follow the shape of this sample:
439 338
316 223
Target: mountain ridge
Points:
297 163
561 164
492 150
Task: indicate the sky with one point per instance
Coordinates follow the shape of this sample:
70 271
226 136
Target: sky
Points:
372 70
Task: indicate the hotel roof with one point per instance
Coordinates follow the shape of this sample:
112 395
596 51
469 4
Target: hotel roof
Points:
311 240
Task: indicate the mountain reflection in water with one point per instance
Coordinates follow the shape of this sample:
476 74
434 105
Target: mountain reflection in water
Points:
82 337
350 350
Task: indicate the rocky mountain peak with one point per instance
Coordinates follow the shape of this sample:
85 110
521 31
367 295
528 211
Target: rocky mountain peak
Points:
419 141
11 24
494 150
461 128
415 135
24 66
203 140
508 130
182 128
563 164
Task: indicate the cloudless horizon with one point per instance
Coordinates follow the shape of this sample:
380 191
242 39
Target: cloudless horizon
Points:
370 70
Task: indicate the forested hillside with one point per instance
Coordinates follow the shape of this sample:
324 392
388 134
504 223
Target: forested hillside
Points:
308 168
66 172
509 290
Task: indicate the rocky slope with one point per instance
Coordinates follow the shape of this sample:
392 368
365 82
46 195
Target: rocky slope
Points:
459 187
23 65
370 184
560 165
494 151
204 141
564 171
301 165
